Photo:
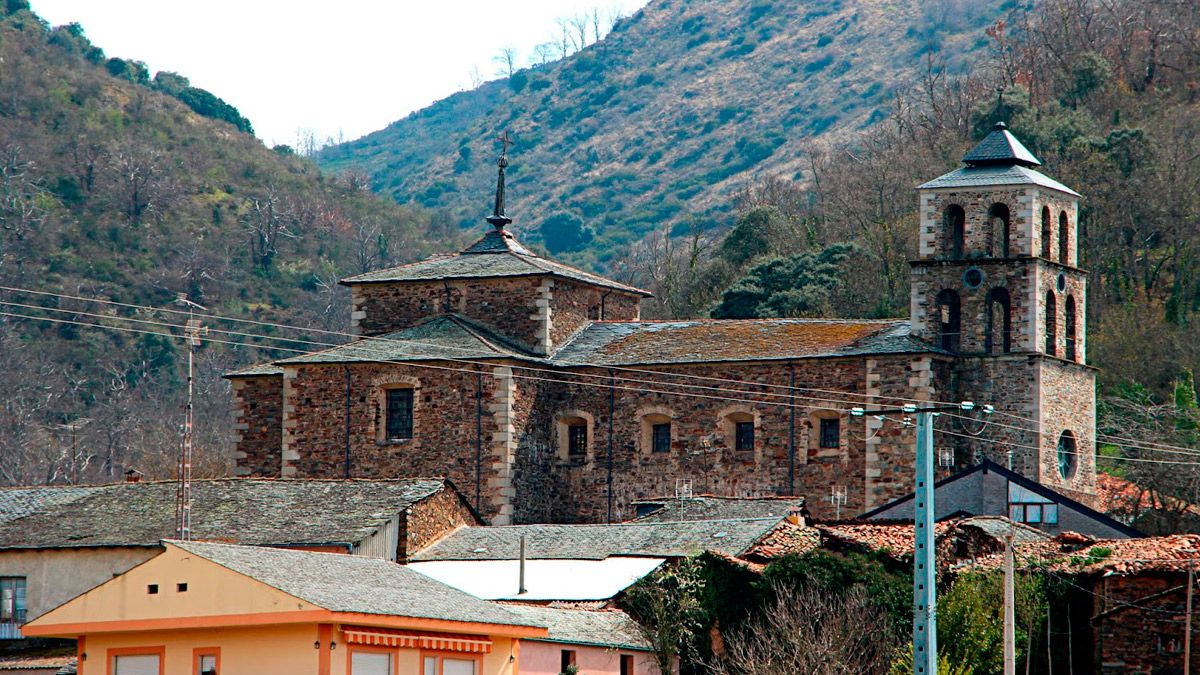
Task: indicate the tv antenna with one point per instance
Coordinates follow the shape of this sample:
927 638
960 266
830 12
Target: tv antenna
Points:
192 331
837 497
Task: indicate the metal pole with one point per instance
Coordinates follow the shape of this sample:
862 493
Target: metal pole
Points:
612 406
521 572
924 569
1187 631
1010 631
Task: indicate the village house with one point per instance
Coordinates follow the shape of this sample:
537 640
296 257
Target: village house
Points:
207 608
988 489
63 542
537 388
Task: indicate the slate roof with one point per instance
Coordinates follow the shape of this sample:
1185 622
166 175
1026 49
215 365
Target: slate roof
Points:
715 507
596 542
257 370
350 583
1000 147
441 337
987 176
609 628
18 502
246 510
497 254
705 341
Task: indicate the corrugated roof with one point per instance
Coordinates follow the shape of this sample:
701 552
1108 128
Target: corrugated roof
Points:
646 342
596 542
600 628
242 510
562 580
350 583
715 507
447 336
492 256
1000 148
987 176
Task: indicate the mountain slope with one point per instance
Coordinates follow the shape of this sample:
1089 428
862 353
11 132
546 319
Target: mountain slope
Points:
111 186
679 106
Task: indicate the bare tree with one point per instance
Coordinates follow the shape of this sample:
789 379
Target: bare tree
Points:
266 220
139 181
506 61
22 197
812 632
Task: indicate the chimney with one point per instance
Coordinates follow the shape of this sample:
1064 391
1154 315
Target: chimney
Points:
133 476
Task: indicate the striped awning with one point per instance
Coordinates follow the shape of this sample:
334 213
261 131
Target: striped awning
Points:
411 639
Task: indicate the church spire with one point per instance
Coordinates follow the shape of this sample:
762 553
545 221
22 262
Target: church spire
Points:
498 219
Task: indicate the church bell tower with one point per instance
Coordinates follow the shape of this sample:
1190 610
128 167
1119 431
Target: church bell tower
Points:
997 286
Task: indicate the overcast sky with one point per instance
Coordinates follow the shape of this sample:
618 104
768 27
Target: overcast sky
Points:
348 66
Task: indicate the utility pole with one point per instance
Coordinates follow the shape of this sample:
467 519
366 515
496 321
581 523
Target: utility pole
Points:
924 557
1187 634
1010 602
183 493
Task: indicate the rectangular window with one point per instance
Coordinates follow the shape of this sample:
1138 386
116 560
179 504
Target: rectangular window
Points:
1033 513
662 437
206 664
1050 514
744 436
577 440
445 665
1016 512
568 659
12 600
831 432
626 664
136 664
399 414
370 663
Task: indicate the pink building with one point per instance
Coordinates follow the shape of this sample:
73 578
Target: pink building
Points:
596 642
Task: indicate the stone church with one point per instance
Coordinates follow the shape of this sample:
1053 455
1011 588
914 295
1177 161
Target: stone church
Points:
537 388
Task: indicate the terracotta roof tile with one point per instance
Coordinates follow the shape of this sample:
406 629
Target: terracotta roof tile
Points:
1076 554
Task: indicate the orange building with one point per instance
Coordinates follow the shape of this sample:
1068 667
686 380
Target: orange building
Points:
208 609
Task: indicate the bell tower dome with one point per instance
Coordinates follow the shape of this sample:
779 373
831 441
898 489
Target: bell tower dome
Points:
997 284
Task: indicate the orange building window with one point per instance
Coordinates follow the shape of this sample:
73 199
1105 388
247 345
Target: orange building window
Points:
137 661
206 661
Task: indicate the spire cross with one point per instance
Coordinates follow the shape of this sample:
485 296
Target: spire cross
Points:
498 219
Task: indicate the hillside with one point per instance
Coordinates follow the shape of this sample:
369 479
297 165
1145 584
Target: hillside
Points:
122 187
667 116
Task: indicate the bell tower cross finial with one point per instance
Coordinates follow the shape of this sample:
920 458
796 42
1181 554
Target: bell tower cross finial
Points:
498 219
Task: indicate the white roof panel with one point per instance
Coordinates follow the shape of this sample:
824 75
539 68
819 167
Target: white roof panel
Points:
544 579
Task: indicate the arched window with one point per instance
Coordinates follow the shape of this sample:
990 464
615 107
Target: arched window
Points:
1051 324
1067 454
949 320
657 430
999 220
1046 232
1069 327
739 426
954 224
999 335
1064 239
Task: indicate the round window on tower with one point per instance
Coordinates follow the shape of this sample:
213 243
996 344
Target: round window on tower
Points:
973 278
1061 282
1067 454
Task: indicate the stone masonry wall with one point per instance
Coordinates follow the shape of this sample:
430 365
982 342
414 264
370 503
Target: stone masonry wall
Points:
258 402
508 305
573 305
1017 277
1141 628
444 425
1068 402
430 519
1075 286
980 239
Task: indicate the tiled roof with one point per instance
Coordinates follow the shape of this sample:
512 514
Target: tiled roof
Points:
987 176
1000 148
713 507
350 583
785 539
604 628
596 542
492 256
896 539
243 510
18 502
645 342
26 663
1126 501
1073 553
441 337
